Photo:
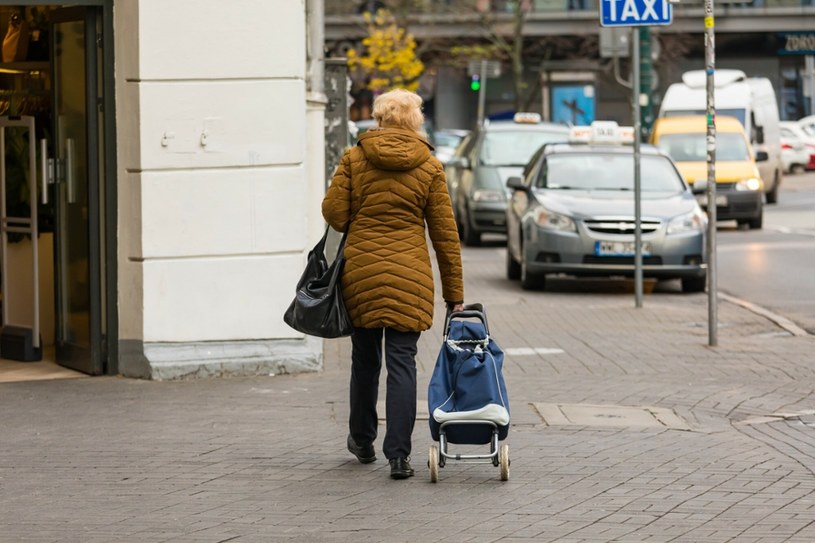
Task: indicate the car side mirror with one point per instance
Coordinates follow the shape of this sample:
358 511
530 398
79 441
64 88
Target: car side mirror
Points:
762 156
516 183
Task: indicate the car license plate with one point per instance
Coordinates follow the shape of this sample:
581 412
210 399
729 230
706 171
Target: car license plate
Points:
619 248
721 200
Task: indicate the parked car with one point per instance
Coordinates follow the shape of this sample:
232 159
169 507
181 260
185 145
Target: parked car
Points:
477 173
797 148
572 212
807 124
751 100
739 187
447 141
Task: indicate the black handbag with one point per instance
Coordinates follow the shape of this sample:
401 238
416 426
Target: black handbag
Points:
318 308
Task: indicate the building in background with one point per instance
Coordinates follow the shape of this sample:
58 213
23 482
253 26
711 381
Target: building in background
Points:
561 49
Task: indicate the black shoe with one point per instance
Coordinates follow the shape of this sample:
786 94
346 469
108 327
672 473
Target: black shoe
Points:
400 468
364 453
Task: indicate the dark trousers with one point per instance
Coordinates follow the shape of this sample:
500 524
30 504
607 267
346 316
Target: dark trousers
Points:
400 401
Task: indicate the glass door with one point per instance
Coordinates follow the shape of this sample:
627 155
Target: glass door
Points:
75 52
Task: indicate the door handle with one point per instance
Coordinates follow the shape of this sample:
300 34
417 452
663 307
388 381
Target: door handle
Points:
69 170
46 171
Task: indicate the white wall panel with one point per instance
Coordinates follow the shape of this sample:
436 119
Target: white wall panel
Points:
237 298
129 240
197 124
224 212
214 39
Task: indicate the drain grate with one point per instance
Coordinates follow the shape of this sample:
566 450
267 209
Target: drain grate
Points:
609 416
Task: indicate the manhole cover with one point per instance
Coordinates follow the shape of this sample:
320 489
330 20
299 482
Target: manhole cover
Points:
609 416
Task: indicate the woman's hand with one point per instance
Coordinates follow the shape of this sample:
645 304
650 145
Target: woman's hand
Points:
455 308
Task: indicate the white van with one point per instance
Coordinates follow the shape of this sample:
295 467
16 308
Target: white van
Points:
749 99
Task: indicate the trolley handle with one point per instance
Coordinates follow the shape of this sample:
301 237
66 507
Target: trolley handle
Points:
471 311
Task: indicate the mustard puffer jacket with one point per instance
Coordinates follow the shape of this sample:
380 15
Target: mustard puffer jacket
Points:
387 187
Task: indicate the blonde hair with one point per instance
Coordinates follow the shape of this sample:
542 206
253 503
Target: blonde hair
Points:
399 108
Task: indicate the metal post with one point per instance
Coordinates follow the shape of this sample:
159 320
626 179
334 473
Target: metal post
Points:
482 92
710 63
646 81
336 114
635 85
809 71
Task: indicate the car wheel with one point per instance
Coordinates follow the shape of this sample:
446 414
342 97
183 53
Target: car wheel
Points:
757 223
469 236
693 284
797 169
513 267
772 196
531 281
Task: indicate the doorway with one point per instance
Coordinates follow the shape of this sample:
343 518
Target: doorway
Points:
56 75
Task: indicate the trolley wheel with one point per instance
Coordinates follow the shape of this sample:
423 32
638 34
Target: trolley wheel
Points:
433 463
503 459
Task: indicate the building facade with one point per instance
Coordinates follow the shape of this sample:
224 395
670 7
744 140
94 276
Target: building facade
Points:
566 53
186 149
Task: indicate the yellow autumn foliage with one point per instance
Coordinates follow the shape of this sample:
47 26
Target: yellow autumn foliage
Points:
389 60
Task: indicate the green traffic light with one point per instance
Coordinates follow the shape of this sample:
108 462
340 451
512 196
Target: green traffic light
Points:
475 85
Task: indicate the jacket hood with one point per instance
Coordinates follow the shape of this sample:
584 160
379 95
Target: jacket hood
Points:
395 148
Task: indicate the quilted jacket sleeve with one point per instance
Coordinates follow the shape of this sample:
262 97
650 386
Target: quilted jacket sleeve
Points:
337 200
444 235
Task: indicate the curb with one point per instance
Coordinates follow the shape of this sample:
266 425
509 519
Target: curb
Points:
783 322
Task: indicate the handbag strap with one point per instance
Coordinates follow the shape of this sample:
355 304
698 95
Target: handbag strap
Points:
341 246
319 247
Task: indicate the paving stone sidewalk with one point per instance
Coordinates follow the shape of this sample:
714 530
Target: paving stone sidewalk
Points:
720 447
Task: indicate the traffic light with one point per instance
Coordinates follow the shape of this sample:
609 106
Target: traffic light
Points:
475 82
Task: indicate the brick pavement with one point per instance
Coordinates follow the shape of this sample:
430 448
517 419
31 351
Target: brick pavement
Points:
263 459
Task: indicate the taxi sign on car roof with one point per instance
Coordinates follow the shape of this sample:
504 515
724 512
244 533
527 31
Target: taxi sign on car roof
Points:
526 117
602 132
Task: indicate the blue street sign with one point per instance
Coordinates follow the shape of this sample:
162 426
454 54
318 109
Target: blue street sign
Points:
635 12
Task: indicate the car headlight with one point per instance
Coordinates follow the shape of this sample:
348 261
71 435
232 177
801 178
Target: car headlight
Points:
554 221
694 221
484 195
751 183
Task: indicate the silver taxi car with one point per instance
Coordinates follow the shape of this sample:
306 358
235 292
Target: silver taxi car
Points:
572 213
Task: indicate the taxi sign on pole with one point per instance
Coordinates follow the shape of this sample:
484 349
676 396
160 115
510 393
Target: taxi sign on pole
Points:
635 12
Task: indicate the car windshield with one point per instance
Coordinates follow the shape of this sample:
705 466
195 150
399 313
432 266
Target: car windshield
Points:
598 171
515 148
739 114
693 147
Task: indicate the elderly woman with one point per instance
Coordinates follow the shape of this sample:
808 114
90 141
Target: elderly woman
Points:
386 191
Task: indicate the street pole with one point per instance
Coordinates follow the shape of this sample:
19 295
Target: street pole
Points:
635 86
646 80
482 92
710 66
809 70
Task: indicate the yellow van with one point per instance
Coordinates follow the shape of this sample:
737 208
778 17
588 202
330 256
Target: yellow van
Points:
739 188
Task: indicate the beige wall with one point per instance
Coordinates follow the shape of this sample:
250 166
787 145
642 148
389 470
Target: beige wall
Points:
215 195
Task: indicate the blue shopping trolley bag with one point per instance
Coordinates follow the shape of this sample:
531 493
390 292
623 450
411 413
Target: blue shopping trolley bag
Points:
467 383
